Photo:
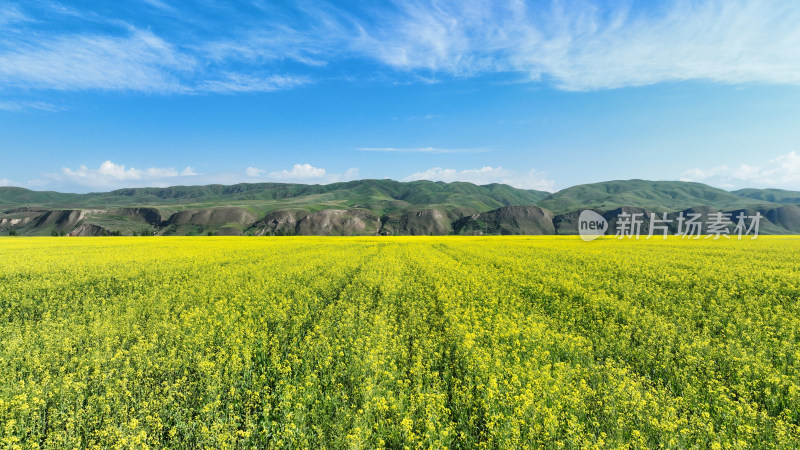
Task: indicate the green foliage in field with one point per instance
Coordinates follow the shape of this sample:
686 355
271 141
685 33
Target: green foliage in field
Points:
395 342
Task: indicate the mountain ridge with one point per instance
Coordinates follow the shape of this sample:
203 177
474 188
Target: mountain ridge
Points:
370 207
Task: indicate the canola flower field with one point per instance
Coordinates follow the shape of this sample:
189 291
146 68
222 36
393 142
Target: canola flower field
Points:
431 342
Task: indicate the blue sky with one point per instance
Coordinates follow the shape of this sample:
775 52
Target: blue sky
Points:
539 94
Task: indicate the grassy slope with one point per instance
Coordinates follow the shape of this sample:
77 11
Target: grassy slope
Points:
771 195
382 196
651 195
379 196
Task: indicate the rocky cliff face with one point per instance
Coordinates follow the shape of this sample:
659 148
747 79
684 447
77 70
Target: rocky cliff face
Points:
339 222
278 223
213 216
427 222
328 222
787 217
88 229
233 221
530 220
60 220
37 221
151 216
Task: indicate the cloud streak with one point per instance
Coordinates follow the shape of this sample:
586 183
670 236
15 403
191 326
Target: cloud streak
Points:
580 45
111 175
235 83
570 44
300 173
421 150
10 14
782 172
138 61
23 105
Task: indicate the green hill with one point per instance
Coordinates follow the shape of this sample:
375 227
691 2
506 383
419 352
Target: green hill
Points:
370 207
663 196
770 195
375 195
197 209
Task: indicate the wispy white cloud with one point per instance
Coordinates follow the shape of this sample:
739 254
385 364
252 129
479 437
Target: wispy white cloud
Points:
10 13
779 172
111 175
422 150
301 173
107 53
532 179
23 105
272 42
253 172
235 82
158 4
581 45
570 44
138 61
426 117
